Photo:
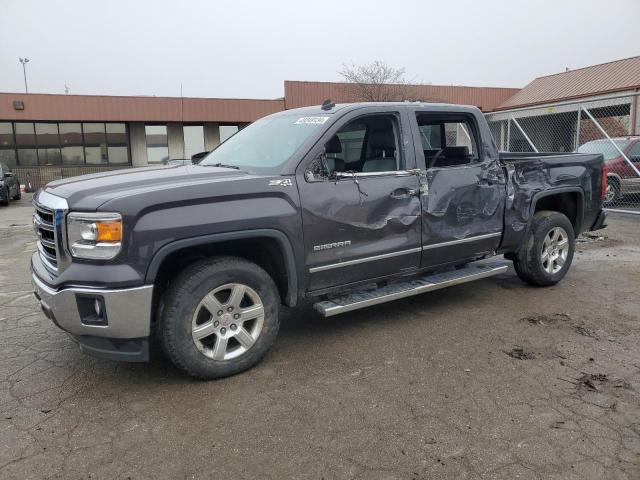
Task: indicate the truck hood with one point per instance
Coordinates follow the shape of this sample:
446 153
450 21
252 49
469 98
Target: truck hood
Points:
89 192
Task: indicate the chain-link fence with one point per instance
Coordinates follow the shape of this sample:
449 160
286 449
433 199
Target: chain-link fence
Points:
609 126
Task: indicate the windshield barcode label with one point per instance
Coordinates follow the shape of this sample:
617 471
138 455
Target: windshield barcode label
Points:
311 120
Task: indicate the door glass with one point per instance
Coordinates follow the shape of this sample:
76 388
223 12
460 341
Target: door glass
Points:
446 142
368 144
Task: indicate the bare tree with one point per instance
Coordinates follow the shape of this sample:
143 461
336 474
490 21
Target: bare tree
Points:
377 82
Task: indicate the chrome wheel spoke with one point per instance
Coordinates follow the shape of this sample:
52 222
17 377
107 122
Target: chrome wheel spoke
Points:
545 256
220 348
251 312
237 294
560 260
204 330
211 303
244 338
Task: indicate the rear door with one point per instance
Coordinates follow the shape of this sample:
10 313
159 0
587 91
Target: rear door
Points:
462 188
363 220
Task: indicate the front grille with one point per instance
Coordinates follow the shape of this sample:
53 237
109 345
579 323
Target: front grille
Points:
45 228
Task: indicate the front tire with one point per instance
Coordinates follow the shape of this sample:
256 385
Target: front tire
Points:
18 195
220 317
546 255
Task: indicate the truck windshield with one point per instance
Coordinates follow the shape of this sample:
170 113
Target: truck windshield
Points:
605 147
266 144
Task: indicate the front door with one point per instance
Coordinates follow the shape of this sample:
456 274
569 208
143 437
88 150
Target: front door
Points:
361 214
462 189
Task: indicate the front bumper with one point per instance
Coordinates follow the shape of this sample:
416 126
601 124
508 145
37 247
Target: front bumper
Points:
122 330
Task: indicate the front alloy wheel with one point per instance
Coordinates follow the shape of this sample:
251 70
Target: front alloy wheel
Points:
219 317
228 321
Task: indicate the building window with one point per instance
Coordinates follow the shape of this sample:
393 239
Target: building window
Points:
7 144
48 144
68 143
95 143
117 143
193 140
26 144
72 146
157 147
226 131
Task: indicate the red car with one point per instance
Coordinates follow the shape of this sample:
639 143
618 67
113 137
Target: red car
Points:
622 178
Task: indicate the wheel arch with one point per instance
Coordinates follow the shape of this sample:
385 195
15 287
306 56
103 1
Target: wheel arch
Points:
567 200
271 249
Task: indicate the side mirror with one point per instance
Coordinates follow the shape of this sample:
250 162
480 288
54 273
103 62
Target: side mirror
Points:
635 158
8 174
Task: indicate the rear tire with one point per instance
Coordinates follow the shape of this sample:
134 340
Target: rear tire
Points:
613 193
220 317
546 255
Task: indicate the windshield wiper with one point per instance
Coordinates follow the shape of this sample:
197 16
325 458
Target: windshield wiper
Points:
225 166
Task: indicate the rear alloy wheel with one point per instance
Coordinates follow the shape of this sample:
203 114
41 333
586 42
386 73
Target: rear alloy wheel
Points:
546 254
219 317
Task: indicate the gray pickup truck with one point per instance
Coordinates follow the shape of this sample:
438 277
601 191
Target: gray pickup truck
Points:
343 206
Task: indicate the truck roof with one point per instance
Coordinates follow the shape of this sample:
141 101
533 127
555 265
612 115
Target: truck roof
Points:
345 107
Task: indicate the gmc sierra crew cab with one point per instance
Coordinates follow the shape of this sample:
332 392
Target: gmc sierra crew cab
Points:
344 206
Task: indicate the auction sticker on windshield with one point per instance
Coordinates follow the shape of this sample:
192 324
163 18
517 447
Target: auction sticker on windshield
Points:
311 120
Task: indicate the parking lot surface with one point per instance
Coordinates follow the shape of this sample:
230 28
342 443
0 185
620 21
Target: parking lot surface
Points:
492 379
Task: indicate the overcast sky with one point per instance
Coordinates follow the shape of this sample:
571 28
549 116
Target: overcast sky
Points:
247 49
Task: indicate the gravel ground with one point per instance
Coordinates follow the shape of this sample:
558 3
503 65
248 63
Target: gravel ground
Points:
492 379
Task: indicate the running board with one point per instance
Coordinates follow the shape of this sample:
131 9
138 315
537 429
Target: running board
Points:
395 291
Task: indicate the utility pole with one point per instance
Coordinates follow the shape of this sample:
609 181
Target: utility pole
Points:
24 62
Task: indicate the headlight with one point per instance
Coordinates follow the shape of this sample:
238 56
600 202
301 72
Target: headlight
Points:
94 235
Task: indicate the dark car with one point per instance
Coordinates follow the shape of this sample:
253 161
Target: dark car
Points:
623 177
9 185
343 206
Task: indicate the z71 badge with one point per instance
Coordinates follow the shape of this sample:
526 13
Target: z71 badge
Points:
281 183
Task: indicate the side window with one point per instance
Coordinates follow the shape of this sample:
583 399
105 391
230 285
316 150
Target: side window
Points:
368 144
634 153
446 141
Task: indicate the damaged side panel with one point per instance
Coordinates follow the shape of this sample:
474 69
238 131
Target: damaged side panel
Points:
462 212
348 225
533 177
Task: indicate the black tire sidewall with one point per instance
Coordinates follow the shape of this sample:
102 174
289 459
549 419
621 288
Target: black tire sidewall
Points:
185 294
543 223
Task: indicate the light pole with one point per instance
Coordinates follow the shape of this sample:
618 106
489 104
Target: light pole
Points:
24 62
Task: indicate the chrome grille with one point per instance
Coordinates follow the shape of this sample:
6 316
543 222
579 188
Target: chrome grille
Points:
45 228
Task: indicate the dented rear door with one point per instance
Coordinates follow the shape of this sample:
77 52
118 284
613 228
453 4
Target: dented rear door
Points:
462 205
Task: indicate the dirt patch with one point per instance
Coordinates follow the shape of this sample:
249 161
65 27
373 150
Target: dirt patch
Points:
592 381
546 319
519 353
585 332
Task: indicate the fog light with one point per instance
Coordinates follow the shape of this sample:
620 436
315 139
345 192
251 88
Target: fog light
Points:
92 310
